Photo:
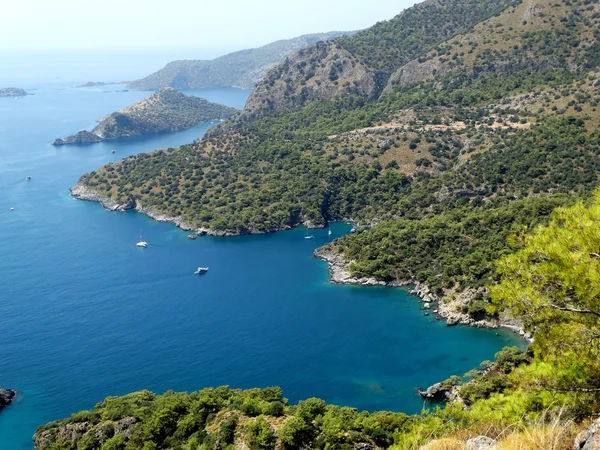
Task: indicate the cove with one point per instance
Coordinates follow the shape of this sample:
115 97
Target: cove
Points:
85 314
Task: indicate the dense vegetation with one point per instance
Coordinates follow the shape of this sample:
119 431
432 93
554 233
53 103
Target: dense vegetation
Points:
459 164
241 69
165 110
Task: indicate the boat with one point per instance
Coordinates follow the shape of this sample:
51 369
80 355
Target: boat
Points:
329 233
201 270
308 236
142 243
12 209
114 151
192 237
28 178
353 230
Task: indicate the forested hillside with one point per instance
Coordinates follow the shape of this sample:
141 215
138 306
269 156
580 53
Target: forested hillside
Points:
463 138
463 145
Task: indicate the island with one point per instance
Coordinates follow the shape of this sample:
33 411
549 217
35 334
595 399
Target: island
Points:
165 110
96 84
12 92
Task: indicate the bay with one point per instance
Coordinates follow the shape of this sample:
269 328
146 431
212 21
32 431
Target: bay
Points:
85 314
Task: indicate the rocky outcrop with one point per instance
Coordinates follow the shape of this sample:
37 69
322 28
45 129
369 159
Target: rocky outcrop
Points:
322 71
339 272
482 443
164 111
7 396
83 431
589 439
439 392
81 137
12 92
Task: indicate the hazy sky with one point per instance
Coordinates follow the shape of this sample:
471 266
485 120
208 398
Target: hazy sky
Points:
167 24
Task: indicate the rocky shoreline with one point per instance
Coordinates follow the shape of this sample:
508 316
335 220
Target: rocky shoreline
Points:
450 311
83 192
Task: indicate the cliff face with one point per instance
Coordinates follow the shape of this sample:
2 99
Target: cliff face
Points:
322 71
165 110
243 69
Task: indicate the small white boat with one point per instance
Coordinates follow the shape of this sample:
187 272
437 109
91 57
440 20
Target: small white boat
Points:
12 209
201 270
142 243
329 233
309 237
353 230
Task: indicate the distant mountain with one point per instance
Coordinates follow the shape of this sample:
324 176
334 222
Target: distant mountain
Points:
242 69
165 110
12 92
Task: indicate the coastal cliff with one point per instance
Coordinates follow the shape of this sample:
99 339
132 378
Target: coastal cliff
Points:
164 111
12 92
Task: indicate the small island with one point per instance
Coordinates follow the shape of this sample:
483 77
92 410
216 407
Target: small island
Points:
165 110
12 92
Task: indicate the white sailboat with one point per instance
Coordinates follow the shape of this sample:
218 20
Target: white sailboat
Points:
308 236
201 270
329 233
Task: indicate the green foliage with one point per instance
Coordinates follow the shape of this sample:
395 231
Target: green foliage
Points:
260 435
552 284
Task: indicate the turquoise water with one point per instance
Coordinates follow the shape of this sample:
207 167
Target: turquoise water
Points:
84 313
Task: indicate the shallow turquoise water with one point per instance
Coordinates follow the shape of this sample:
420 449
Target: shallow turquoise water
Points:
85 314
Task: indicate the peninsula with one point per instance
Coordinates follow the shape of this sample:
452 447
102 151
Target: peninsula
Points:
242 69
12 92
165 110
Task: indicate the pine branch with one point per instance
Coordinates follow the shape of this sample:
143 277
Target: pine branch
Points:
573 310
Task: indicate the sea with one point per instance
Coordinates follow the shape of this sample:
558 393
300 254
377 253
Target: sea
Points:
86 314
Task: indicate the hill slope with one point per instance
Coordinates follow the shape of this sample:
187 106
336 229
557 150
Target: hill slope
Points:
165 110
362 64
242 69
507 133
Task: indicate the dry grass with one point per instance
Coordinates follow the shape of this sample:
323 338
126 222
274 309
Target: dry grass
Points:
550 431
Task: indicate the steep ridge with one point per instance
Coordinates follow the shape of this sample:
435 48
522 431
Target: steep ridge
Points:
362 64
242 69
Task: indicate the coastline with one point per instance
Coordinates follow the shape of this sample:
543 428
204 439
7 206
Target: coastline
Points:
448 311
339 273
83 192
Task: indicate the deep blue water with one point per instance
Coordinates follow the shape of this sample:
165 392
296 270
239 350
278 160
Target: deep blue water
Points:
84 313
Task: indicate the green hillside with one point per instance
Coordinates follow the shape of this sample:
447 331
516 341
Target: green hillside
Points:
463 139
